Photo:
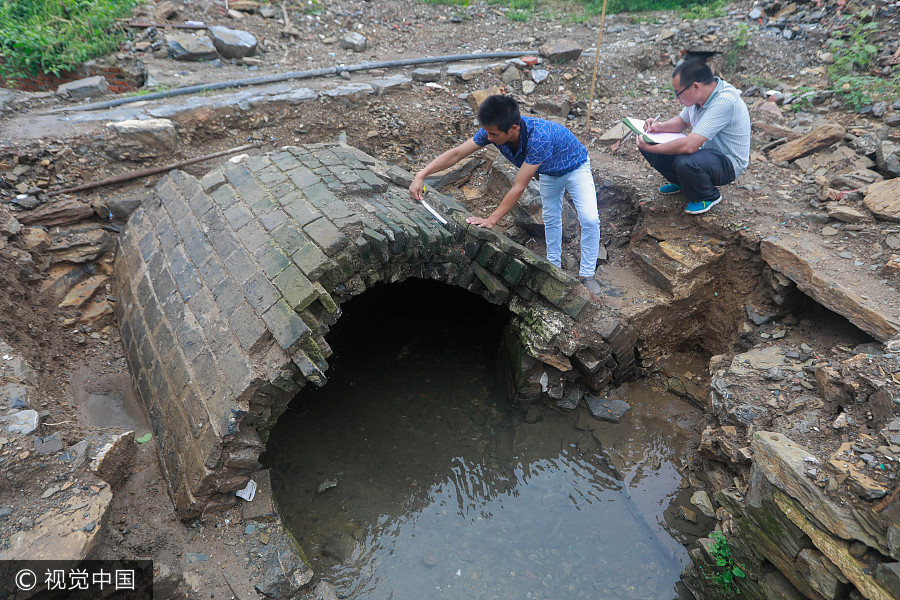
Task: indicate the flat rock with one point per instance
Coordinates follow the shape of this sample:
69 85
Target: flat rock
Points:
61 212
189 47
803 261
22 422
81 292
757 360
89 87
607 409
782 462
454 175
113 460
9 225
68 532
232 43
819 138
701 500
846 214
426 75
883 199
561 51
353 40
152 134
262 507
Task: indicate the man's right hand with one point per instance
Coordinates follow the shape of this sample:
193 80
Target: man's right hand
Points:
648 125
417 187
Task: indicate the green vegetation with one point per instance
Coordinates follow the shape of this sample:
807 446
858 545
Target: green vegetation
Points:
740 39
52 36
854 60
726 570
524 10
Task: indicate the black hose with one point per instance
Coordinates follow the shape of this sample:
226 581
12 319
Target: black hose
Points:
193 89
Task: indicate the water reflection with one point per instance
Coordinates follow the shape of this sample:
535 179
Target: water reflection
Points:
442 489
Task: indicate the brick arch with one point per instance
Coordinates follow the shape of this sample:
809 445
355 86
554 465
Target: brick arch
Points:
227 287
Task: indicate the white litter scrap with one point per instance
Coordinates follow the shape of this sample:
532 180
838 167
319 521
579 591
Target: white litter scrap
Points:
811 459
545 379
238 158
248 493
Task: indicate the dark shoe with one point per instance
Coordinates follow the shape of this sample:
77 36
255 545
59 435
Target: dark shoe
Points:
591 284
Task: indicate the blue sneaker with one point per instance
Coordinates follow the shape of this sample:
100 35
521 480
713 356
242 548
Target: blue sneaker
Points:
696 208
670 188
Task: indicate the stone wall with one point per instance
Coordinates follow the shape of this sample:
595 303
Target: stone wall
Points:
228 286
794 541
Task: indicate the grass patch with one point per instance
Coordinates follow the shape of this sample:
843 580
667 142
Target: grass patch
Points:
52 36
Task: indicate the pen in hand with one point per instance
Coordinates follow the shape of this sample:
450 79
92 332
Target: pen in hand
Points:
653 122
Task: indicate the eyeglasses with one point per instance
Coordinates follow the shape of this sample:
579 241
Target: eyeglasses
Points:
683 90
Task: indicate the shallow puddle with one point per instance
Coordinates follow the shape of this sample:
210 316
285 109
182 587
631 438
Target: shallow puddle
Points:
410 474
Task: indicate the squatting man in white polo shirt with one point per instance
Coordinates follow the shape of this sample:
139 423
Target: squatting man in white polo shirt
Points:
715 152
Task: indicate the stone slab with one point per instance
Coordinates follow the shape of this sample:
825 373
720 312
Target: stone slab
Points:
802 260
883 199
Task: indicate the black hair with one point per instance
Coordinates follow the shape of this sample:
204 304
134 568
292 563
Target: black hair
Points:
693 71
499 111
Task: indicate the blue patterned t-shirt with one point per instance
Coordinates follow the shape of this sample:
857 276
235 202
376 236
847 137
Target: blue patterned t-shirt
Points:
544 143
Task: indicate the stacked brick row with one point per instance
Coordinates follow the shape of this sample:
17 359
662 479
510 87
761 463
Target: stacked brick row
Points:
228 286
119 79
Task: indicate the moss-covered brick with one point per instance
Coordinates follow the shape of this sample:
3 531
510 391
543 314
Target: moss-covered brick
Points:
492 258
398 243
311 260
326 299
285 325
285 161
575 303
493 284
514 271
238 174
297 290
553 290
224 196
289 237
378 243
238 215
376 183
472 247
252 235
302 177
270 176
271 259
251 191
213 180
300 209
258 162
328 237
260 292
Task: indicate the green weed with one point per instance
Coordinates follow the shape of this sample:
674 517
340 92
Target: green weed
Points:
740 39
854 58
53 36
726 570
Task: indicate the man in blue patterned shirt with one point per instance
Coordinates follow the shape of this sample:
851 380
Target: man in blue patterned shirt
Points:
715 152
537 147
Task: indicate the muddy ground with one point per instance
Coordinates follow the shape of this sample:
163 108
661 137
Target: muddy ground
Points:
73 359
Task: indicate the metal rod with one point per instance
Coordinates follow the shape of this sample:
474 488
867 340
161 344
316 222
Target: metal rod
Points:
587 125
142 24
150 171
336 70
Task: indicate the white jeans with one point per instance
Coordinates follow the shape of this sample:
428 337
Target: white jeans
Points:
580 184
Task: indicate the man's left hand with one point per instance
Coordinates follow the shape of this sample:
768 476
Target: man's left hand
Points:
486 223
643 145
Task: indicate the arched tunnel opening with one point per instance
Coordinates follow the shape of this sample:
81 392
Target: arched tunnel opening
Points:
415 470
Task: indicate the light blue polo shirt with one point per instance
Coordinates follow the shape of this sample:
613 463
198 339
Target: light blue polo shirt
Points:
544 143
724 121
